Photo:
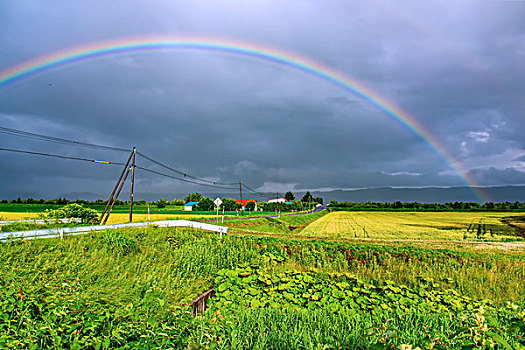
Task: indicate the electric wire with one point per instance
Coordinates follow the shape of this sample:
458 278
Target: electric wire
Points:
61 156
109 163
198 180
182 179
32 135
256 192
15 132
186 175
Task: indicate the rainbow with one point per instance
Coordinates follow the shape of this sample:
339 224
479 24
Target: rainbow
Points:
123 46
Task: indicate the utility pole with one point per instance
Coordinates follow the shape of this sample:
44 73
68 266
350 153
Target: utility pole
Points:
116 196
132 183
240 188
115 189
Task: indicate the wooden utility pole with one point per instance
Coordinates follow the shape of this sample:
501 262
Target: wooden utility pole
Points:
132 183
115 189
240 188
116 196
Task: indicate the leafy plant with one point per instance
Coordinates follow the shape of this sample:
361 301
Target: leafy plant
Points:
73 210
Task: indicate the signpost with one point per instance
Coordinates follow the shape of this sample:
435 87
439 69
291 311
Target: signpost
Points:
218 203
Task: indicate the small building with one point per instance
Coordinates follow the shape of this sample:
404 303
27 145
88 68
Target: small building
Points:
277 200
245 201
189 206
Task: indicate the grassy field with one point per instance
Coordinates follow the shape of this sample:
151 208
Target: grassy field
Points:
293 282
131 288
120 214
413 226
285 224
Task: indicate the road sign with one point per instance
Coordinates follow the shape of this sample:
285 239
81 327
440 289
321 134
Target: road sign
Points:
217 202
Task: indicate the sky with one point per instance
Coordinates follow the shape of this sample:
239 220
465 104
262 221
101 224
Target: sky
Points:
455 67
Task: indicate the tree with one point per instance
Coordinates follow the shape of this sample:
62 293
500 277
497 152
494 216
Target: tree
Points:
193 197
230 204
307 197
289 196
250 206
176 201
205 204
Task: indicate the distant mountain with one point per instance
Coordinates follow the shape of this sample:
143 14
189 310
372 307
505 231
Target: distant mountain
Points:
425 195
380 194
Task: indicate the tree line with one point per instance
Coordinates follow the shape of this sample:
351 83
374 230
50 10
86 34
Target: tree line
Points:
204 203
448 206
230 204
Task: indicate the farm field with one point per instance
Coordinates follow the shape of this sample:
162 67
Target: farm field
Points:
114 218
292 282
119 214
414 226
132 289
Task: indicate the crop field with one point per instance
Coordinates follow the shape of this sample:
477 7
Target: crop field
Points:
414 226
117 218
119 214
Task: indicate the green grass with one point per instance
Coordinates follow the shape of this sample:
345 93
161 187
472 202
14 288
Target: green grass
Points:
286 328
285 224
131 288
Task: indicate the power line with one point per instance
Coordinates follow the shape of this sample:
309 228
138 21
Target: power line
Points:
183 173
32 135
109 163
181 179
60 156
256 192
187 177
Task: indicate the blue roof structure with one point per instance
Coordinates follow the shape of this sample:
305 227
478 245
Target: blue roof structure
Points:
190 203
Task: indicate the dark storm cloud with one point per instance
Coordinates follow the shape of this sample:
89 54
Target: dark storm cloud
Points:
494 176
456 67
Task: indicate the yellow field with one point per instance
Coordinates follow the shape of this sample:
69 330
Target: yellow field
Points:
412 225
113 218
124 218
5 216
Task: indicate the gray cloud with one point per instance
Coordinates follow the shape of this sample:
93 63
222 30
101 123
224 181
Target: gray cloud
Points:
456 68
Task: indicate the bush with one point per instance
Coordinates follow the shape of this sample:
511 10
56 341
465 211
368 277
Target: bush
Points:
161 203
73 210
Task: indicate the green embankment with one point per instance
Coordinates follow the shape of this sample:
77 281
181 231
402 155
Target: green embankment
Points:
284 224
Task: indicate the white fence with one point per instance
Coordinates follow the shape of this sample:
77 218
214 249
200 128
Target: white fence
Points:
71 231
47 221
